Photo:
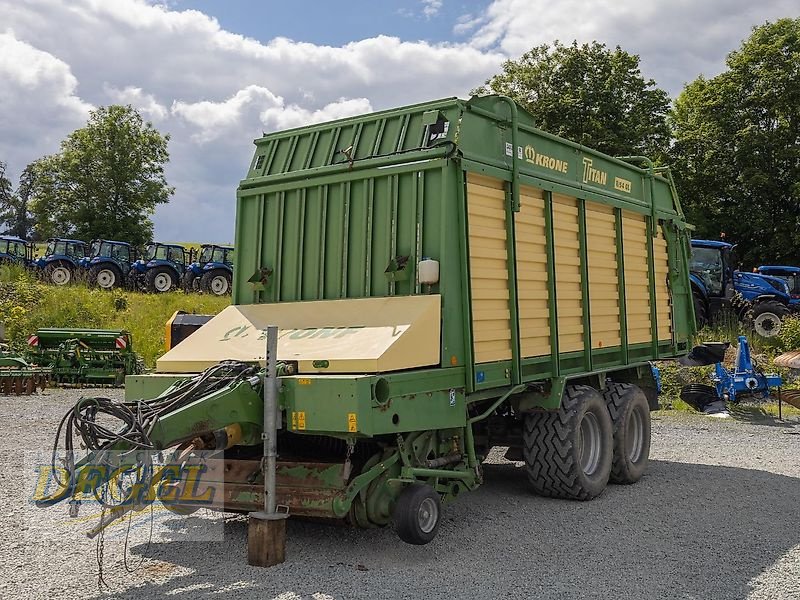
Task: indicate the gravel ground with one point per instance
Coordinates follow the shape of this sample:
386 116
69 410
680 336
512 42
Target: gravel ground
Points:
716 516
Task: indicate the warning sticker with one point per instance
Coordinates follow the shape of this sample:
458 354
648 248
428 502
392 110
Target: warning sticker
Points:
352 422
294 420
303 382
301 420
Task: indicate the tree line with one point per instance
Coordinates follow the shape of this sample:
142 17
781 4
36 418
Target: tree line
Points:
733 142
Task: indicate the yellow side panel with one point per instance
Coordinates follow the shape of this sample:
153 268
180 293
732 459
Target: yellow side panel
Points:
663 302
360 335
488 264
531 250
601 242
637 278
568 273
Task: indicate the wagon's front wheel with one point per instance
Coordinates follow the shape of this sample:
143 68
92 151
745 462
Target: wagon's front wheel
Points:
417 514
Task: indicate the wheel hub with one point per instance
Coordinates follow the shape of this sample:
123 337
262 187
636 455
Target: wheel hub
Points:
60 276
767 324
163 282
219 285
427 515
106 279
589 443
635 436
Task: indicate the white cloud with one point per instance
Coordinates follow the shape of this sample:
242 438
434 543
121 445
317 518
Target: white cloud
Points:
677 40
431 8
136 97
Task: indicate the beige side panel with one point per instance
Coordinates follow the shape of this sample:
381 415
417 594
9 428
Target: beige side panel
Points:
568 273
663 302
488 263
601 243
637 279
531 251
364 335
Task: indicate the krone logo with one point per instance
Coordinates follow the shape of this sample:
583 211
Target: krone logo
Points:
544 161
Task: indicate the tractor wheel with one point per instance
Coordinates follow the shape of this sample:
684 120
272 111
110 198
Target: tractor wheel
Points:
58 274
630 415
700 314
216 282
189 281
417 514
105 277
765 318
569 452
160 280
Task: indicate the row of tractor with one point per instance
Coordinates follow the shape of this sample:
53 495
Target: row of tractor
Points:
110 264
761 299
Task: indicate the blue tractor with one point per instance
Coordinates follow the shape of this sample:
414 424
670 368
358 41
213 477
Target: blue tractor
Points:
760 300
791 275
62 261
15 251
212 272
161 268
108 263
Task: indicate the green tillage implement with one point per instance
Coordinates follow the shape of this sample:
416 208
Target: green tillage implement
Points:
18 378
445 278
84 356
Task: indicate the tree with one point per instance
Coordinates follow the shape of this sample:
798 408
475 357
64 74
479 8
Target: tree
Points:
14 212
589 94
736 153
105 182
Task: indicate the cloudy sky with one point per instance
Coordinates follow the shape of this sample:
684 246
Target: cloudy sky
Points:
215 74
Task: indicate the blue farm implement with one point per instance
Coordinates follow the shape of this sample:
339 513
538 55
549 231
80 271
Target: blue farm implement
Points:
743 381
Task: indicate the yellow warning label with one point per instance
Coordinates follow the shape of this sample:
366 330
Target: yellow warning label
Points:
352 422
303 382
294 420
301 420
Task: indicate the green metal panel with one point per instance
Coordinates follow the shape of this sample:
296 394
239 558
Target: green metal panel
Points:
326 209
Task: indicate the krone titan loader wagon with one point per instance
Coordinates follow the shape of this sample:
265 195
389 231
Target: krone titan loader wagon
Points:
444 278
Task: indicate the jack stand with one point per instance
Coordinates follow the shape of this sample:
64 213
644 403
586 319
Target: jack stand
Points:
266 530
266 539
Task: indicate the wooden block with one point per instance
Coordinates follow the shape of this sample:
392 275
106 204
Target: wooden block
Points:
266 539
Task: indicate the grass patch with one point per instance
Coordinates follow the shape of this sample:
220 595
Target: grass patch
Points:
27 305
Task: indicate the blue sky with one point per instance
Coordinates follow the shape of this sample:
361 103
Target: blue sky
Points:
337 23
215 74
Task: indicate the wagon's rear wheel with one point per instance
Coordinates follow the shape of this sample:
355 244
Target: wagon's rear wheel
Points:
568 452
630 415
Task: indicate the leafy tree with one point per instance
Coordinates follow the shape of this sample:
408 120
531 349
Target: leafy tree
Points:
737 147
589 94
105 182
14 212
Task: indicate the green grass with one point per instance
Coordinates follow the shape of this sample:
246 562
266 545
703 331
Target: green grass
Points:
26 305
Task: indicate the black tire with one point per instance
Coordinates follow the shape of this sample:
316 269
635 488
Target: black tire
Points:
700 313
106 277
58 274
157 280
217 282
187 282
630 414
558 461
766 317
417 514
740 305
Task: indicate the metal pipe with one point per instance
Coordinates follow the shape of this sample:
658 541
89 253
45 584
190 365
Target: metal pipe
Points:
270 433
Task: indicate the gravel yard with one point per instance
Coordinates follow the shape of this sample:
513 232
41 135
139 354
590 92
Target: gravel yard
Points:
716 516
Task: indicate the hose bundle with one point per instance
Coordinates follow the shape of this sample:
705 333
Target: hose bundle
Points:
102 422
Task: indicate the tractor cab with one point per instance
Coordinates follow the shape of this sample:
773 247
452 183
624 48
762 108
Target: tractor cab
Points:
16 251
212 272
62 258
161 268
791 275
109 261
